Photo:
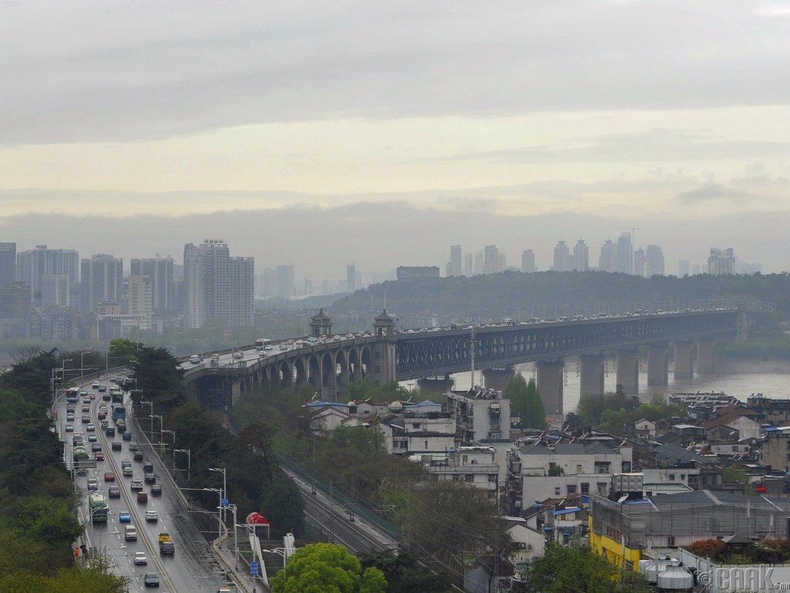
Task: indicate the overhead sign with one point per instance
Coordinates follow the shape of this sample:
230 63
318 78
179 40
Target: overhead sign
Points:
256 519
224 502
254 568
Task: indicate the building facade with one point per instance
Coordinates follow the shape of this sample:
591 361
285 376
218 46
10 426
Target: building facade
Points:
101 279
159 271
34 264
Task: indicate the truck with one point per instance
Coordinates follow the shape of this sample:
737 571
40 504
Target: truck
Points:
166 545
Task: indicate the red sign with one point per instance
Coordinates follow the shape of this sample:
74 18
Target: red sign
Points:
256 519
761 489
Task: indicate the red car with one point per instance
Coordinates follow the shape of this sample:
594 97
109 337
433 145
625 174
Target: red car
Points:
99 456
102 415
109 477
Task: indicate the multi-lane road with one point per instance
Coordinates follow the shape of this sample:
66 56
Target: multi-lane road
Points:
192 567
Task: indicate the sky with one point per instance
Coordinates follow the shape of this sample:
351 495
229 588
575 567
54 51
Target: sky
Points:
380 133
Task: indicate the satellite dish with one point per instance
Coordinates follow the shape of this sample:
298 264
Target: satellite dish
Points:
622 499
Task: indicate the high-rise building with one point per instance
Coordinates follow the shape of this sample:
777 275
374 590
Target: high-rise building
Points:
639 262
479 263
721 262
654 261
528 261
285 281
491 261
351 278
140 300
608 257
101 279
159 271
454 265
56 291
469 265
218 286
561 257
34 264
7 263
684 268
580 260
625 255
14 300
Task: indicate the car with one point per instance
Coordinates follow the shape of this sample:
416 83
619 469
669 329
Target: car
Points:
110 432
156 490
102 414
116 445
109 477
124 517
134 446
106 397
127 436
148 467
92 438
104 425
126 463
77 440
142 497
95 385
70 417
150 479
85 420
135 485
130 533
98 456
151 579
90 427
101 389
92 396
152 516
83 392
113 379
93 484
128 472
69 428
86 408
138 456
140 559
70 408
95 447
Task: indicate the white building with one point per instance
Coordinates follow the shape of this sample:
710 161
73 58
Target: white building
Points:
138 293
473 465
481 415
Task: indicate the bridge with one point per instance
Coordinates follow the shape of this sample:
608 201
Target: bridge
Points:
329 363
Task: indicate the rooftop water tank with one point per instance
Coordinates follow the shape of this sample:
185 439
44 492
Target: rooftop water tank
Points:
675 578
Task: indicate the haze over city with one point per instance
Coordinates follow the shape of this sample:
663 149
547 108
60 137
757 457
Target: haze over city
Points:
379 133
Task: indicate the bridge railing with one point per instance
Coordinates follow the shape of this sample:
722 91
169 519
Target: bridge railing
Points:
340 498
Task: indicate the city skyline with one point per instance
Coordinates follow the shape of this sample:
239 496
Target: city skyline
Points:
320 131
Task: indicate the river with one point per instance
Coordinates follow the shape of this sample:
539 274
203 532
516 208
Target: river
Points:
739 379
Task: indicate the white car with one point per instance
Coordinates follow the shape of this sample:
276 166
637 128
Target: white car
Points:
140 559
151 516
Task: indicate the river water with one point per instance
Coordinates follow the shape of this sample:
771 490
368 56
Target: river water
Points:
739 379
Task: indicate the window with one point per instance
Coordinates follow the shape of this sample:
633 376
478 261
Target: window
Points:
415 425
603 488
426 445
585 487
492 477
626 467
602 467
556 491
671 477
671 540
578 468
571 488
469 478
682 477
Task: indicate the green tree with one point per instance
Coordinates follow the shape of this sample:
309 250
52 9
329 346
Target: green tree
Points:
327 568
578 570
405 575
516 392
535 416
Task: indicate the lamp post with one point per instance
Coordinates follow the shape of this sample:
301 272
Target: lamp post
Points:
150 416
224 486
189 460
82 364
282 552
161 425
219 508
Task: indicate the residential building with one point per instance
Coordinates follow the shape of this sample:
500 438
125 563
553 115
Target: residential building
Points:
474 465
33 265
417 272
528 261
654 261
139 299
580 260
561 257
285 281
479 267
481 415
351 278
639 263
159 271
775 449
101 279
607 261
7 263
454 266
56 291
217 286
469 268
624 262
721 262
491 261
14 300
684 268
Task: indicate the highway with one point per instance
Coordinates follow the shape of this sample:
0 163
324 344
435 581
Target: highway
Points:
192 567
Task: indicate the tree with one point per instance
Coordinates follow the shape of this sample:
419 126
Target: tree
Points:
405 575
535 416
578 570
327 568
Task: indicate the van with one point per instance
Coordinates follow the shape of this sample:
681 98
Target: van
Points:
130 533
194 359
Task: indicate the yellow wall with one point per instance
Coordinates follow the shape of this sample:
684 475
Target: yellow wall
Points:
613 551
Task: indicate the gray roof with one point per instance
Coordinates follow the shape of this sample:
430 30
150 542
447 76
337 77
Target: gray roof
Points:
679 454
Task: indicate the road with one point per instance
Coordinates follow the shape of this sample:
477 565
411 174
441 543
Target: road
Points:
192 567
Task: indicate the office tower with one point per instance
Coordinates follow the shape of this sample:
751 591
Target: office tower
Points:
218 286
625 255
454 265
654 261
528 261
159 270
140 300
469 267
608 257
285 281
684 268
721 262
479 263
34 264
7 263
101 279
639 262
491 260
56 291
351 278
561 257
580 260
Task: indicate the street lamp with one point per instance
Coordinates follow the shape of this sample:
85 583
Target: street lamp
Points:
171 433
161 426
150 416
82 364
219 508
224 485
189 461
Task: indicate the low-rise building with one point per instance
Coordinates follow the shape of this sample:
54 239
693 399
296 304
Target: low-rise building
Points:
472 465
776 448
480 414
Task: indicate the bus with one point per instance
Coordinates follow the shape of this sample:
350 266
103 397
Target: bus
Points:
262 343
98 508
118 412
116 394
72 393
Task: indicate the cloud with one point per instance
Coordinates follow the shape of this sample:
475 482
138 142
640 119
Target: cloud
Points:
713 191
140 70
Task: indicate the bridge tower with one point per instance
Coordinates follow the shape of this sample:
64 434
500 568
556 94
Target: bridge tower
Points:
384 358
321 325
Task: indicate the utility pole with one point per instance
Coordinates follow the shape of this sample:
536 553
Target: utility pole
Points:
472 356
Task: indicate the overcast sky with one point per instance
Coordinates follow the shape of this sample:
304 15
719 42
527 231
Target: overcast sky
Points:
321 133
